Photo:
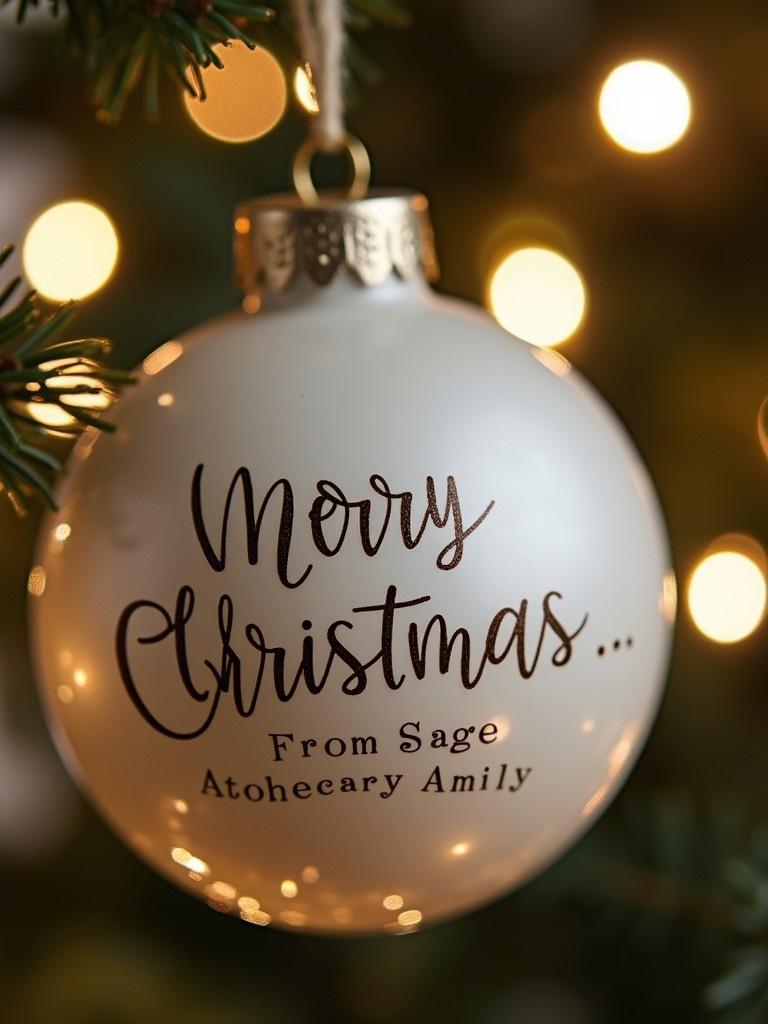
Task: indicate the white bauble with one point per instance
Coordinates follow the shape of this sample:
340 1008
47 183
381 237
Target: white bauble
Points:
385 784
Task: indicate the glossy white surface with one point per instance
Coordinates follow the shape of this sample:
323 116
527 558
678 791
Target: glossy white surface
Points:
341 385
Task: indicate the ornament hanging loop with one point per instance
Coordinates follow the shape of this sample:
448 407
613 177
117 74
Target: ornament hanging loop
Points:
360 166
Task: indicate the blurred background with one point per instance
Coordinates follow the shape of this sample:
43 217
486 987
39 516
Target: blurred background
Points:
647 237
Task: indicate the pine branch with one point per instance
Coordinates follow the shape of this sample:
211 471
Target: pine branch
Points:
39 375
663 870
124 43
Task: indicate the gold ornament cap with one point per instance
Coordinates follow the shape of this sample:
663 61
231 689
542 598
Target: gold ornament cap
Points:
281 239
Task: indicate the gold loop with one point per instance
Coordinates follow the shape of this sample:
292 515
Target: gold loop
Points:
358 160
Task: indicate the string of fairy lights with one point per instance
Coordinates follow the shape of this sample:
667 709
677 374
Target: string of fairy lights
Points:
533 291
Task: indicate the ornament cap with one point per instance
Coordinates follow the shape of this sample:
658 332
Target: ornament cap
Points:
279 239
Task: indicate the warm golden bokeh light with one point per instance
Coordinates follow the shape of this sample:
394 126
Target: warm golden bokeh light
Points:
245 99
70 251
409 918
293 917
255 917
762 425
644 106
188 860
393 902
162 357
36 581
288 888
304 88
538 295
223 890
726 596
48 414
248 904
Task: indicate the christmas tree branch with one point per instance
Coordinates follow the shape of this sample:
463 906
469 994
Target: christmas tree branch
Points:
667 866
125 43
46 387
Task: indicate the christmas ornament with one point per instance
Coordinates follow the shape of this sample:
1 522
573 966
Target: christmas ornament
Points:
361 616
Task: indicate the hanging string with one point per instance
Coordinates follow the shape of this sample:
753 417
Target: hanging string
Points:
320 31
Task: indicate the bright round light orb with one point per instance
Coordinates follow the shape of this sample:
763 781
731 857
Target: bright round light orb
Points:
644 106
70 251
304 88
726 596
245 99
537 295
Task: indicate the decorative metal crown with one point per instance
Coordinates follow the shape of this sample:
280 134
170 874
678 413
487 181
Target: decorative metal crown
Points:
279 238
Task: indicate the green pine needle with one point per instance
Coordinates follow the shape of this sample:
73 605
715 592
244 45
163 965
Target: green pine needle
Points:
125 43
37 372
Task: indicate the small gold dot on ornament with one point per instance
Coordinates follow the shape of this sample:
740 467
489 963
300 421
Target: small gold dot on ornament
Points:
180 806
36 581
293 917
248 904
188 860
165 399
554 361
310 875
255 917
162 357
245 99
221 906
409 918
393 902
289 889
242 225
65 694
459 849
304 89
223 890
80 677
62 532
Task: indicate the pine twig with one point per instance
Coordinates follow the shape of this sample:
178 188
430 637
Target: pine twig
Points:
40 375
125 43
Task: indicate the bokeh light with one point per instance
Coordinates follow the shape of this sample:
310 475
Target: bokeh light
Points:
52 415
304 88
538 295
644 106
727 595
70 251
245 99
